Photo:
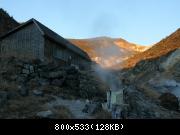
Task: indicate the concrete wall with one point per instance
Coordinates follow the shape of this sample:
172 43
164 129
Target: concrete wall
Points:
114 98
26 42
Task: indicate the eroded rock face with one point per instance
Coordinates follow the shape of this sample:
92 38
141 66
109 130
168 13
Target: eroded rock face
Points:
171 60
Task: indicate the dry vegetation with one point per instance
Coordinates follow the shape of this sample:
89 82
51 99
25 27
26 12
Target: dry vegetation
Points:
165 46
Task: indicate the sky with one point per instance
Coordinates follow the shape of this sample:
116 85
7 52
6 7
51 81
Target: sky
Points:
143 22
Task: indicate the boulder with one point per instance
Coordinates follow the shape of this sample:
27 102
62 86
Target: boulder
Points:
43 82
91 107
19 64
52 75
57 74
25 71
58 82
38 92
169 101
31 68
26 66
45 114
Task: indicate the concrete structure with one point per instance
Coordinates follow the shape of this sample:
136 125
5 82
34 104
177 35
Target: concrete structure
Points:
34 40
114 98
115 103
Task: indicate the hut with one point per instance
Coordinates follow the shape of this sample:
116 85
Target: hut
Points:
34 40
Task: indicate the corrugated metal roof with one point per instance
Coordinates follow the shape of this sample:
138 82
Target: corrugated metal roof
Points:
45 31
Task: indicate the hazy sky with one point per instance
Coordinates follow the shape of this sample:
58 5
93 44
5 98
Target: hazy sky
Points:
140 21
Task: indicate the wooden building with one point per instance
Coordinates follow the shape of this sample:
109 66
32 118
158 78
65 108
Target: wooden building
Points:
33 39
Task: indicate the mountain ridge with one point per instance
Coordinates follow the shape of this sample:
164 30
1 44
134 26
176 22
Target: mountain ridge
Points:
108 51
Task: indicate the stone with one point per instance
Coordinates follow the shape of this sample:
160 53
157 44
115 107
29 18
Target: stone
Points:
43 82
71 70
21 79
45 114
31 68
26 66
19 64
91 108
58 74
169 101
58 82
23 91
25 71
3 98
43 74
38 93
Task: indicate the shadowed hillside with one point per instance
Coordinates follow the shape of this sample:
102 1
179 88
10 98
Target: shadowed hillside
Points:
7 23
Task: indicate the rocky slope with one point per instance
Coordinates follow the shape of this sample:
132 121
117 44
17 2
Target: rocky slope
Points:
108 51
152 80
7 23
166 45
154 86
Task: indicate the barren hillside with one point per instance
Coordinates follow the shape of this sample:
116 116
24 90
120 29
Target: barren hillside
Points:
166 45
6 22
108 51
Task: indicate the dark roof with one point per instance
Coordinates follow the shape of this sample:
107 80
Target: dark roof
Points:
45 31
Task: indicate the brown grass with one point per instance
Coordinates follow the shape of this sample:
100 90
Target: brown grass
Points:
165 46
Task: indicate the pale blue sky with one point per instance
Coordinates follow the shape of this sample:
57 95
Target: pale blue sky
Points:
140 21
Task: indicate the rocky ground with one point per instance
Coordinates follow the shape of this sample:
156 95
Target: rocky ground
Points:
34 89
151 88
28 86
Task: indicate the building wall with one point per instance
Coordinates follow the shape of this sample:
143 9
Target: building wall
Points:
26 42
54 50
